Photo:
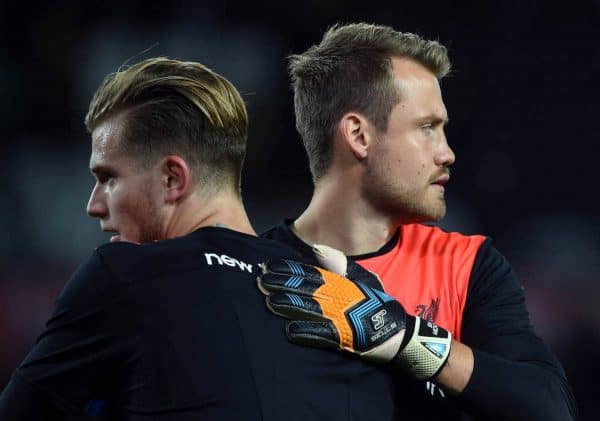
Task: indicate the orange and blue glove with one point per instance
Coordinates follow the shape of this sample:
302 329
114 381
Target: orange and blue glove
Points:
351 313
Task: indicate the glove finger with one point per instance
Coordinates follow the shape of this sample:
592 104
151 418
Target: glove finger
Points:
336 261
294 306
275 282
313 334
295 277
359 274
288 275
291 268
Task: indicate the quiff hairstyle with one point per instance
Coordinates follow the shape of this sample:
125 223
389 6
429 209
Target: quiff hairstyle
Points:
181 108
350 70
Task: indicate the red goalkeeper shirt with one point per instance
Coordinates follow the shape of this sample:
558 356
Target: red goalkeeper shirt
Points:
428 271
465 285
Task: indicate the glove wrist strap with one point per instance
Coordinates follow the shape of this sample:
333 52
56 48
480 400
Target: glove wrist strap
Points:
425 348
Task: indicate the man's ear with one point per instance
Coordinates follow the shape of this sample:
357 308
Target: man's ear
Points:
356 134
176 177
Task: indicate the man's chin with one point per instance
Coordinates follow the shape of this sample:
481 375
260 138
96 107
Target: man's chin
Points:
436 215
424 216
120 239
438 218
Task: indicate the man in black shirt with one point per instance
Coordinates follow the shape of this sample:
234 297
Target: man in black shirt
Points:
370 113
166 322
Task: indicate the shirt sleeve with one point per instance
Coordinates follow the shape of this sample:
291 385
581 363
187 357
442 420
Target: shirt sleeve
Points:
77 356
515 376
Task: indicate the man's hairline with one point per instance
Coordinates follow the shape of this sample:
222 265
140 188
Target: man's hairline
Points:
396 82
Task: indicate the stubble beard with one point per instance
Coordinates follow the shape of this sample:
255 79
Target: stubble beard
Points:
150 226
438 213
410 208
150 231
401 203
432 209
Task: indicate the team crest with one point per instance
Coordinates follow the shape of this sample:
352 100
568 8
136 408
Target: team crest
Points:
429 312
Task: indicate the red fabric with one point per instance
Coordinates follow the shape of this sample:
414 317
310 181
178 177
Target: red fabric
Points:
428 272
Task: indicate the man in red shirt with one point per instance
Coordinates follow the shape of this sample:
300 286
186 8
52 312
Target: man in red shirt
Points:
370 113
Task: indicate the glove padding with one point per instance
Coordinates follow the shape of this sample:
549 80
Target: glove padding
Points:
331 311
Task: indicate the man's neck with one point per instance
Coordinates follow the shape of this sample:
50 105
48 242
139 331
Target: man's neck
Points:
224 210
340 218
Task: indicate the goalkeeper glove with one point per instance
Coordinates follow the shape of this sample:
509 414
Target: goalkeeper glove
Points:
351 313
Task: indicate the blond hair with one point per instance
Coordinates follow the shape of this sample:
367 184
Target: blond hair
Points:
176 107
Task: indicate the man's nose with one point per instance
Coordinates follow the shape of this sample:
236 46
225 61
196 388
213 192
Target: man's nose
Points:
445 155
96 207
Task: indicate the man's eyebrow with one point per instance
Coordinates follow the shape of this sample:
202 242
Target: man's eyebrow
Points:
100 169
434 118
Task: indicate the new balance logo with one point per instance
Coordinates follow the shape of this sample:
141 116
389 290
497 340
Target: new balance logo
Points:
223 259
434 389
378 319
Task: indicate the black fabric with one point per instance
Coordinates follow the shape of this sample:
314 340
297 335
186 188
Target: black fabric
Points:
40 408
284 234
515 376
178 330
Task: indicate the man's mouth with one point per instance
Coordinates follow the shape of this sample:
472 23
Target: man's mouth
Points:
441 181
114 238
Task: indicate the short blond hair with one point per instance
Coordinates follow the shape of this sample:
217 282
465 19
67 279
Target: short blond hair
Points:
176 107
351 70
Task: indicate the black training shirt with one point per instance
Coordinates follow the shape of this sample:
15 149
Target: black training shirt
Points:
178 330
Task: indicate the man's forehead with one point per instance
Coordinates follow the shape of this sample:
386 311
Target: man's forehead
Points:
104 133
418 86
406 67
105 138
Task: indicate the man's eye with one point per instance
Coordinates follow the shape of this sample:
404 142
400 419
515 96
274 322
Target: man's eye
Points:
427 128
104 178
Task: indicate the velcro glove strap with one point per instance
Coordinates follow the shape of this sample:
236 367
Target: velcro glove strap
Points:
425 348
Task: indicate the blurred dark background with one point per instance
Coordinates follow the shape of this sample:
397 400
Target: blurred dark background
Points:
522 99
